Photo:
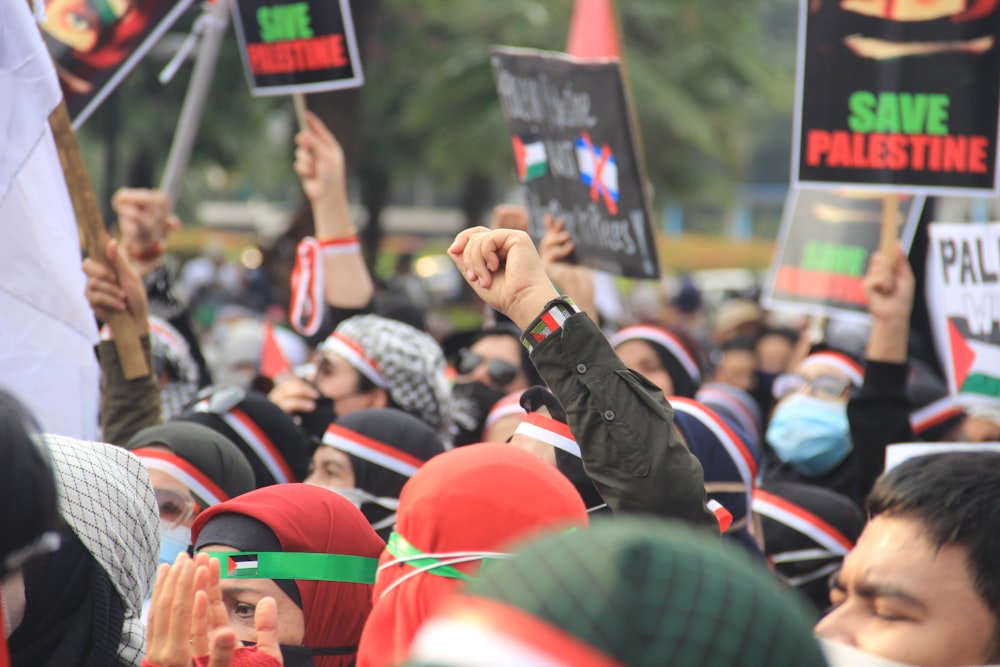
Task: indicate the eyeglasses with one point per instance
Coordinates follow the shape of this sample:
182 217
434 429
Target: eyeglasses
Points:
500 372
174 508
825 387
219 400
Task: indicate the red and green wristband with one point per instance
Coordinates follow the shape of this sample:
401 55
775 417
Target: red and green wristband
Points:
550 321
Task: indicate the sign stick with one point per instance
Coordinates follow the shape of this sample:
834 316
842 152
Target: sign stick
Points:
299 100
890 225
95 238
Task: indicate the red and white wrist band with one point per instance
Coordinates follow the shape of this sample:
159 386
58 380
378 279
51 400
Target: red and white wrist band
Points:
354 354
207 491
550 321
371 450
550 431
262 446
479 632
305 311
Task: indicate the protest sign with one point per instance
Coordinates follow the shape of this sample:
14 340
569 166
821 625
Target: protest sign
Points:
963 274
899 95
304 46
574 144
96 44
825 241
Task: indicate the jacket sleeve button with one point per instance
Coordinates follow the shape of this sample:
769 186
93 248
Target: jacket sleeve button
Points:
609 415
581 368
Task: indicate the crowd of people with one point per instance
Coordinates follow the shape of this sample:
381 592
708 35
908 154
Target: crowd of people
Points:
554 489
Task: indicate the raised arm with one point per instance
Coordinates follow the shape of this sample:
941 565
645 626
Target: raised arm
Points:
623 424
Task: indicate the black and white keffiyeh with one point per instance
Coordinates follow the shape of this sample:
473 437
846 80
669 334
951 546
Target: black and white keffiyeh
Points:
172 352
106 498
412 364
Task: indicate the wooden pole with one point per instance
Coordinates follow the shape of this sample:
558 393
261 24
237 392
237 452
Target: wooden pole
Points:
95 238
299 100
890 225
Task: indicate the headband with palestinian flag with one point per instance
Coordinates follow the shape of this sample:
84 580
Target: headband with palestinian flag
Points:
305 311
204 489
255 437
478 632
369 449
841 362
354 354
663 338
292 565
795 517
549 430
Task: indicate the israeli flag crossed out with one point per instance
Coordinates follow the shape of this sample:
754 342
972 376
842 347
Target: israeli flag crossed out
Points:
593 160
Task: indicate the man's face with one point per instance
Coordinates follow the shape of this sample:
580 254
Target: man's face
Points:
336 379
736 368
496 348
900 597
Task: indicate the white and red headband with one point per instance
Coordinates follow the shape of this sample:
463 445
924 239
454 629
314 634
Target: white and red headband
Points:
369 449
841 362
207 491
550 431
663 338
305 311
787 513
354 354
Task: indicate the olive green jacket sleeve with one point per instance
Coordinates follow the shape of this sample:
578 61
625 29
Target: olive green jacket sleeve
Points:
127 406
624 426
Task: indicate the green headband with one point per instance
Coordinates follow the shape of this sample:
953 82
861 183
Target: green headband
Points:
400 548
302 566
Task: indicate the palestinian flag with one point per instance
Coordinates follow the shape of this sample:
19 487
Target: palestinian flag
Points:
532 160
243 566
975 365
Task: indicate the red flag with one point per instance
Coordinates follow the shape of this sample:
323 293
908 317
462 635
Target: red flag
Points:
272 360
593 32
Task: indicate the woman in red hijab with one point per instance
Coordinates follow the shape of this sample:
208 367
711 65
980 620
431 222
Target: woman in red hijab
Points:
461 508
308 548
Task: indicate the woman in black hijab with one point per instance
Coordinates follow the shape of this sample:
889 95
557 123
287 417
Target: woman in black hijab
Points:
367 457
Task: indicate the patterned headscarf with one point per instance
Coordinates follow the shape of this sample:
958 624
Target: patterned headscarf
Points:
106 498
629 592
172 353
405 361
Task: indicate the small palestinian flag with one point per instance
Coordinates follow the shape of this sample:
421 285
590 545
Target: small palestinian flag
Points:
243 566
532 161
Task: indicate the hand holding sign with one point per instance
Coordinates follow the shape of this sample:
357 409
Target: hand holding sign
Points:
889 286
556 250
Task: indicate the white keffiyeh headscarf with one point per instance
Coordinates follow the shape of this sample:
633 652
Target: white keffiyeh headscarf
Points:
106 498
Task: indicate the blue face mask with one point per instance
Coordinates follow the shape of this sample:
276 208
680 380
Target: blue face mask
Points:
811 435
172 542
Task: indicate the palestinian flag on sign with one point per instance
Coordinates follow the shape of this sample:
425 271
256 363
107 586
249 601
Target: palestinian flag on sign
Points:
242 565
975 364
532 160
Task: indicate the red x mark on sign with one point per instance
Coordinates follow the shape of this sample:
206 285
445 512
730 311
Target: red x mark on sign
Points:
597 187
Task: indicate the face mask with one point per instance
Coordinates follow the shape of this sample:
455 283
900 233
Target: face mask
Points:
811 435
172 542
471 403
359 497
314 423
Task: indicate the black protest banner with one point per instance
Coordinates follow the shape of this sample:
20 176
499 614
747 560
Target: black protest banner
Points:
575 148
825 242
304 46
96 44
898 96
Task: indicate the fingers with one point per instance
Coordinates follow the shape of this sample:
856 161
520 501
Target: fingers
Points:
322 131
294 395
199 625
458 245
266 623
223 647
152 630
183 601
217 616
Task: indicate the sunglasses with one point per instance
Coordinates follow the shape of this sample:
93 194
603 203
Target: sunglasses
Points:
825 387
174 508
500 372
